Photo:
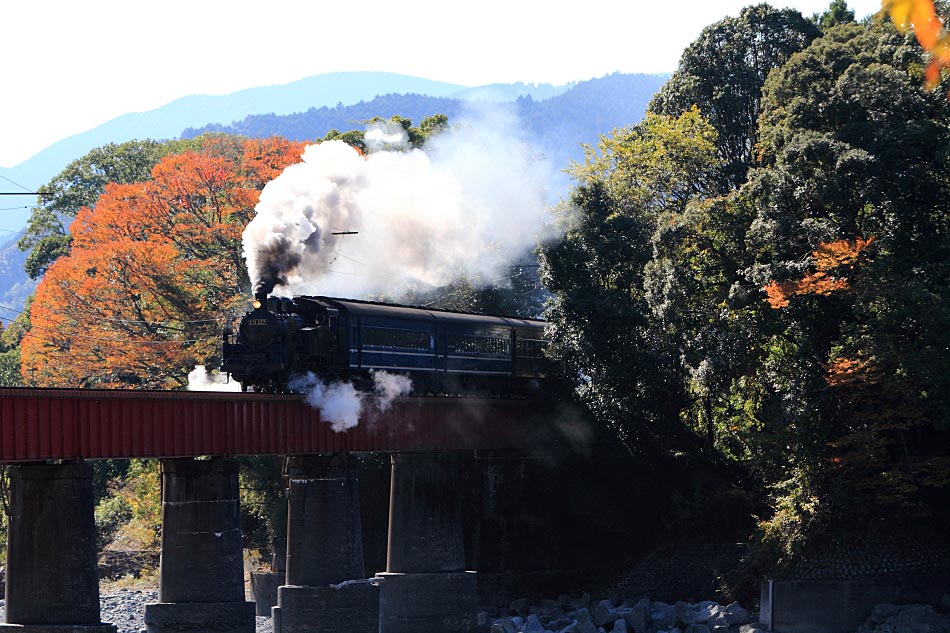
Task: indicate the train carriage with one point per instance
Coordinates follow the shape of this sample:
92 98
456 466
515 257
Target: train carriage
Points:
343 339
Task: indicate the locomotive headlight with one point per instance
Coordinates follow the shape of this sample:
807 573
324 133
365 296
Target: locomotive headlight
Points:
256 304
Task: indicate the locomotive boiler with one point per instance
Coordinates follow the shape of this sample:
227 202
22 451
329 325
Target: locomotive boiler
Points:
443 352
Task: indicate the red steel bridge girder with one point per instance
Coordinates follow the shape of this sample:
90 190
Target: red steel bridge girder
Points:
85 424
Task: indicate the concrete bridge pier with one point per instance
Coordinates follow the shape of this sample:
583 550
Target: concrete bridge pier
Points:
52 577
326 588
201 574
264 584
517 550
426 588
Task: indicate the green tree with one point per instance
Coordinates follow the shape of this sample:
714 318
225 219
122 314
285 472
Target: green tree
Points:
696 293
416 136
836 13
850 239
624 363
722 73
9 361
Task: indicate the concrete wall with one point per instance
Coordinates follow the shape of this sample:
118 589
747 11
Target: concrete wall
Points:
842 606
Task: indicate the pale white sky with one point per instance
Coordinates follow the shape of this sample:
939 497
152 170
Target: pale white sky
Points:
69 66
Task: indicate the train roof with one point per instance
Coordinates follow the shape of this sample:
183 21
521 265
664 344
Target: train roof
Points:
393 310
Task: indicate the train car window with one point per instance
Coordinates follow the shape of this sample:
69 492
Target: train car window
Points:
531 348
474 345
393 339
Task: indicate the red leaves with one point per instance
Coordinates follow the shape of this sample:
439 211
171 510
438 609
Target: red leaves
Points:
844 372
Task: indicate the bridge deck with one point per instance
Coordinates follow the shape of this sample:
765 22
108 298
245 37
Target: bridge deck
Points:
74 424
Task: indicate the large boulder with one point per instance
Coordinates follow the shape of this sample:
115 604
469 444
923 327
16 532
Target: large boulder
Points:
639 617
662 615
602 613
533 625
519 607
682 616
585 622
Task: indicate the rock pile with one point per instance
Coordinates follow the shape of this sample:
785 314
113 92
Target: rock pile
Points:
911 618
579 615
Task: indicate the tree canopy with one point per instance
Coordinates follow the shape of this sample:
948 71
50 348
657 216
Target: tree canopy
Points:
601 327
722 73
79 185
152 271
767 272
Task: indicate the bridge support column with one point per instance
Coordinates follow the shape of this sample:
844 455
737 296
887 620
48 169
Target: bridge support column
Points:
52 577
324 552
425 588
516 551
201 576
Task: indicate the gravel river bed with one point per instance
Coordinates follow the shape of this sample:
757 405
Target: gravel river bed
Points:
125 608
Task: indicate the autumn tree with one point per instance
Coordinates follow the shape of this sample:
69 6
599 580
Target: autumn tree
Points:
78 186
152 271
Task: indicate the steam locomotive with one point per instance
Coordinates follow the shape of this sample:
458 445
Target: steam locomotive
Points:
443 352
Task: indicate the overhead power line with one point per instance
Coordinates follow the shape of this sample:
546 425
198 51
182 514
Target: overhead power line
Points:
15 183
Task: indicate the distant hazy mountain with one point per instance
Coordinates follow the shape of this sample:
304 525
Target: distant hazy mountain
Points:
169 120
556 125
15 286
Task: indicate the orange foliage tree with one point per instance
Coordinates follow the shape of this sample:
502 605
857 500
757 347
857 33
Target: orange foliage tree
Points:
153 271
920 17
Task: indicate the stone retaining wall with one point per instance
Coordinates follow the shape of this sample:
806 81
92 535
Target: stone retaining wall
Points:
875 559
841 606
682 572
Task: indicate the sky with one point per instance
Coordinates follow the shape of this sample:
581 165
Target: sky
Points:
70 66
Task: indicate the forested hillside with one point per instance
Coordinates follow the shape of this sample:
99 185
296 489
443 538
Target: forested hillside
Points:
556 125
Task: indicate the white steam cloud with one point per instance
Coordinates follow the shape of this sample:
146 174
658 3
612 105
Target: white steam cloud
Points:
199 379
386 136
471 203
388 387
341 404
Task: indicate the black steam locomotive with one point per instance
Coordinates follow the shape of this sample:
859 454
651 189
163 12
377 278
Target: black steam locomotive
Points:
442 352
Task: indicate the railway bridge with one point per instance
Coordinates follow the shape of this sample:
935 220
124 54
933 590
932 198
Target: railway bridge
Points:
48 436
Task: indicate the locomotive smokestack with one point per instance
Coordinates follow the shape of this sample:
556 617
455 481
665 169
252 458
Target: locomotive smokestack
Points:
260 297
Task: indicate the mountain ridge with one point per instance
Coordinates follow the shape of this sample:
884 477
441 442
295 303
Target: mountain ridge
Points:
169 120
